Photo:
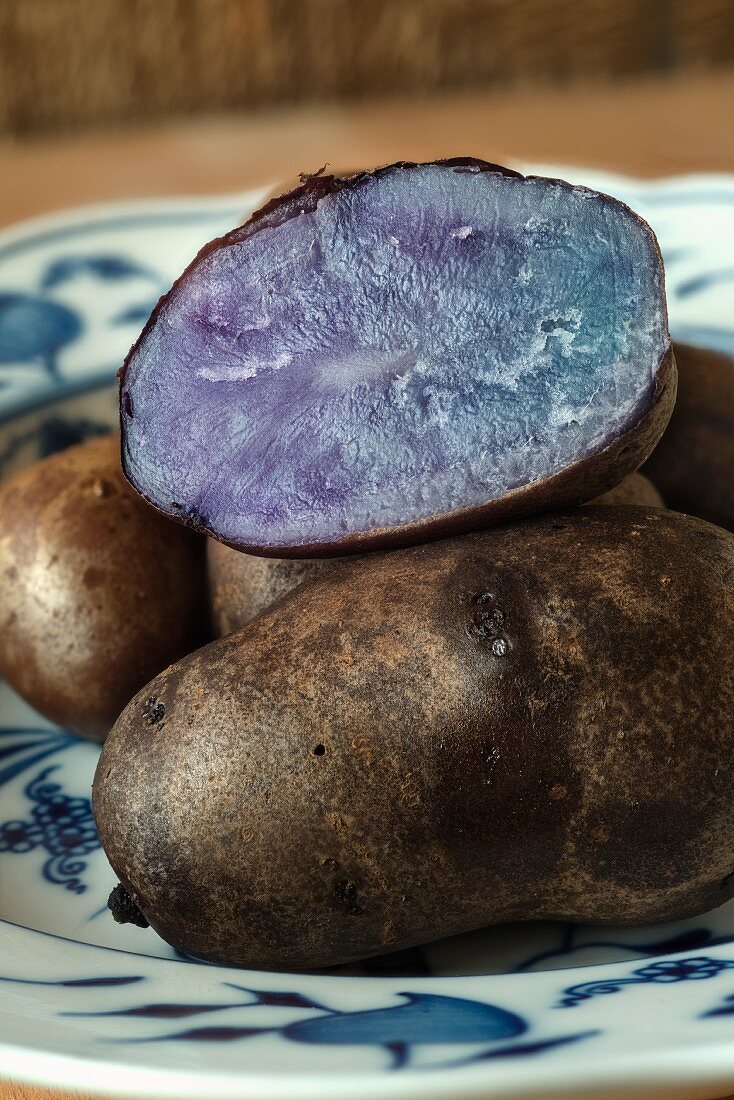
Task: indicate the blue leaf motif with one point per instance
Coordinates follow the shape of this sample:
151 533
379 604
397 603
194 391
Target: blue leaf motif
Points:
34 330
276 998
211 1035
423 1018
106 267
725 1009
522 1050
156 1011
21 748
75 983
704 281
136 314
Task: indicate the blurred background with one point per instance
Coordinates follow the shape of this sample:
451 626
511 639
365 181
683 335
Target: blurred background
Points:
108 99
69 64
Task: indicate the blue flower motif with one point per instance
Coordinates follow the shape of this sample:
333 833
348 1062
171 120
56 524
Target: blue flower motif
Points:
696 968
19 836
61 824
111 268
65 822
682 970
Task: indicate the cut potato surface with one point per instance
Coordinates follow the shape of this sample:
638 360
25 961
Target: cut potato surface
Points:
387 358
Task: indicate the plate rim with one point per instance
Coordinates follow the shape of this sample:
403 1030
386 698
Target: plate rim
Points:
707 1063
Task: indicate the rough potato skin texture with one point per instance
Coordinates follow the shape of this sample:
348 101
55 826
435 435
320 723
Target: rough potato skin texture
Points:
693 465
98 592
242 585
532 722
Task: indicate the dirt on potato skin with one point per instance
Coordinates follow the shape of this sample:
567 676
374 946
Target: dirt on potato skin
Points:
532 722
98 592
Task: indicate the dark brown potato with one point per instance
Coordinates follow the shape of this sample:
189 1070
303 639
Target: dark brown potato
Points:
635 489
98 592
693 465
532 722
242 585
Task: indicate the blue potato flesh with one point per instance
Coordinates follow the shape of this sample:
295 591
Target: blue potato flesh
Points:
374 356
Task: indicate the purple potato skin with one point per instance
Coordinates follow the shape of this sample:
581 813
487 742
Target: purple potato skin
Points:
291 184
206 442
438 739
242 585
694 462
98 592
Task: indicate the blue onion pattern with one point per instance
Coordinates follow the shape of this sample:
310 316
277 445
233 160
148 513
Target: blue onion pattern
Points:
60 824
34 331
417 1020
698 968
53 340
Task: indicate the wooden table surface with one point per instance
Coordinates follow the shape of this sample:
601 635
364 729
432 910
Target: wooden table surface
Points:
648 128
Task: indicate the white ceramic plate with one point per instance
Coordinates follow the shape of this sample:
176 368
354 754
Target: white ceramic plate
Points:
525 1011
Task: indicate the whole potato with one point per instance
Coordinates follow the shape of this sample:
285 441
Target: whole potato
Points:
693 465
98 592
532 722
242 585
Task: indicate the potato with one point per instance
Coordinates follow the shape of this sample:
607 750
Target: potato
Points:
242 585
693 465
532 722
635 489
286 185
405 354
98 592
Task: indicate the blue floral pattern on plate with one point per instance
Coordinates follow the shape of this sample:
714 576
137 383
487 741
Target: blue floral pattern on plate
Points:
60 824
74 292
696 968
